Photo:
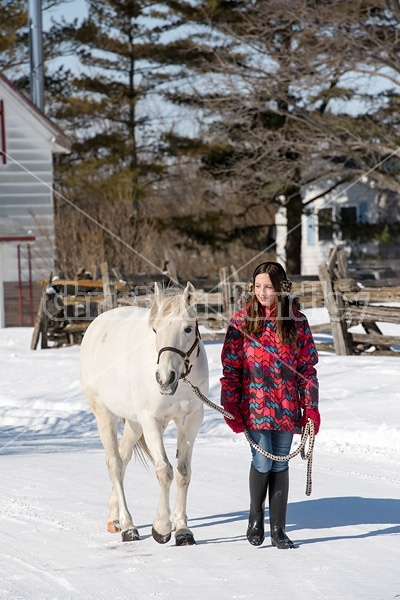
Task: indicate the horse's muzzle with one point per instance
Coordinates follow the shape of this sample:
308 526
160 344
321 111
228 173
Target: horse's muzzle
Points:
167 386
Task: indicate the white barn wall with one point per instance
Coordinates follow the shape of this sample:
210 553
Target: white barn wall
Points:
26 180
26 190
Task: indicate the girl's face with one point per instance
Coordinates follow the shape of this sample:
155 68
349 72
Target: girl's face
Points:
264 290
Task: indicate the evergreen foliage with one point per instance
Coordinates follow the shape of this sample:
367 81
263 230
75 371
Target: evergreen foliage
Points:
13 34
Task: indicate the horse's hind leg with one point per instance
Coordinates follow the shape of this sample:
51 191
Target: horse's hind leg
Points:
130 436
107 426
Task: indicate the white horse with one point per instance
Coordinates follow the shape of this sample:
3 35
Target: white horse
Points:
132 362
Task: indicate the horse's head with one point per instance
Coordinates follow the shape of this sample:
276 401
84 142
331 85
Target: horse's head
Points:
173 319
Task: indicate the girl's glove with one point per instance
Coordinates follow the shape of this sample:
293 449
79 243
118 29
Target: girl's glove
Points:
313 414
237 424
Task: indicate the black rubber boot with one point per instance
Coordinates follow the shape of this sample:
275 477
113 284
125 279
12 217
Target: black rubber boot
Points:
258 484
278 497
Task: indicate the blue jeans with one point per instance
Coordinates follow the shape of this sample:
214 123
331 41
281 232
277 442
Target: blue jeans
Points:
274 442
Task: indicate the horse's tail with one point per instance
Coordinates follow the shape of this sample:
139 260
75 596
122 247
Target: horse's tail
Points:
142 452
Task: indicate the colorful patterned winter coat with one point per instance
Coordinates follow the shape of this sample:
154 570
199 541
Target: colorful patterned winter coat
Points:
269 380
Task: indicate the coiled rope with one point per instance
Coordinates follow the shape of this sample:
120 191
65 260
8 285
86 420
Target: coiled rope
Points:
307 438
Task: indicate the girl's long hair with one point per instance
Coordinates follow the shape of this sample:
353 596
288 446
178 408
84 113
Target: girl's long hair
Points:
284 304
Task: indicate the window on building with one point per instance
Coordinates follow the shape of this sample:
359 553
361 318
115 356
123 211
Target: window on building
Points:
348 214
363 212
310 230
325 224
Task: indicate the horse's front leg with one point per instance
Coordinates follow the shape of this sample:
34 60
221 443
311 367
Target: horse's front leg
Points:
153 434
187 432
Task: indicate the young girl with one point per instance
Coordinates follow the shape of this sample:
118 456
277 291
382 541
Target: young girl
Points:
270 386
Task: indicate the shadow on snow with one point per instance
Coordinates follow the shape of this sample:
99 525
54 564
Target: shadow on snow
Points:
375 517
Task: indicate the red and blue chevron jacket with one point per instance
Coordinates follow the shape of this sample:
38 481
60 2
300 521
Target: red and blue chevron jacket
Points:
270 381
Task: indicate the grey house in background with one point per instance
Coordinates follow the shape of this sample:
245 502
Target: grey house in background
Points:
28 141
358 202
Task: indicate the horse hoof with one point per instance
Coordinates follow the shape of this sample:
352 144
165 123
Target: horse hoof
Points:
161 539
113 526
130 535
184 537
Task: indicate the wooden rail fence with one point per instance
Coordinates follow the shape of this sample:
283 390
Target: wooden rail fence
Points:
67 307
350 304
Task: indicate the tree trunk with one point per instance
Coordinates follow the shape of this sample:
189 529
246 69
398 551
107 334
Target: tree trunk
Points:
293 240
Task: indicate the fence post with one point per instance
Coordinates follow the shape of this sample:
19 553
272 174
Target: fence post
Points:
41 318
170 268
335 305
109 289
224 286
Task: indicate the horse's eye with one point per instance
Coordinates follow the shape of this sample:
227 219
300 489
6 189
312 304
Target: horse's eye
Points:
154 330
188 329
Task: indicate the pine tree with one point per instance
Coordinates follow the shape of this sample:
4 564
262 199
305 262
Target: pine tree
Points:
14 46
114 105
13 34
129 53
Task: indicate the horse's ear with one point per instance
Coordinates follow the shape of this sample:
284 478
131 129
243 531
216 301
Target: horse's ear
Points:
189 294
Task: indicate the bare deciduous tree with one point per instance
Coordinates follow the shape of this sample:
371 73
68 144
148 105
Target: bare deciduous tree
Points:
281 101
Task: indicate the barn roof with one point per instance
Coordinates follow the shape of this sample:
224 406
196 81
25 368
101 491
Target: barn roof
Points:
61 144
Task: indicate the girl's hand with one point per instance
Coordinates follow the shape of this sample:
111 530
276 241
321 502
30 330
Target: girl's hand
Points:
313 414
237 424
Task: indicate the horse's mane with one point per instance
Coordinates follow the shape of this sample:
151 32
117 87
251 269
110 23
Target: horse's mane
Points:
170 303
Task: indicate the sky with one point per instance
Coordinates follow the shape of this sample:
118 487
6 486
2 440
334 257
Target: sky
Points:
75 9
55 487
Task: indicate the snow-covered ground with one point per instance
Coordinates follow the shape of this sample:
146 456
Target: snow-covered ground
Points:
54 491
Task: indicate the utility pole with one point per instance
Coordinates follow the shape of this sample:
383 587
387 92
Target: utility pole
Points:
36 52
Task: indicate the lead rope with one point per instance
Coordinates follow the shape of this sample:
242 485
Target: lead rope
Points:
307 437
